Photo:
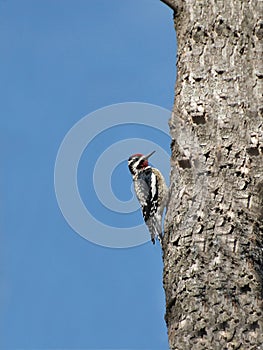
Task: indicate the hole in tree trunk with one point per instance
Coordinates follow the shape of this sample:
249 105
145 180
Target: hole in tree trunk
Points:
246 288
184 163
253 151
202 332
198 119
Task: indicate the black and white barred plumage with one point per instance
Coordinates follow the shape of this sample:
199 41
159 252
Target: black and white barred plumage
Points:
151 191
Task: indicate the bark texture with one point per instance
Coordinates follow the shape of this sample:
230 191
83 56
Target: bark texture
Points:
213 261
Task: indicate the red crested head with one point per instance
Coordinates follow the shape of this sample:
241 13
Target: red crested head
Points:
138 161
138 156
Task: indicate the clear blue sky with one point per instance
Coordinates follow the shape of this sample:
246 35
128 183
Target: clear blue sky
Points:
61 60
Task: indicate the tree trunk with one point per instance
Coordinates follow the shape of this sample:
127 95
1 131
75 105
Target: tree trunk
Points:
212 251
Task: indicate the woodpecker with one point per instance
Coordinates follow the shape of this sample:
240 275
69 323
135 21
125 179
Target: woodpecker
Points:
151 191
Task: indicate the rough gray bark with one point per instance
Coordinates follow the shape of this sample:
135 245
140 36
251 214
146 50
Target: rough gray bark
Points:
213 262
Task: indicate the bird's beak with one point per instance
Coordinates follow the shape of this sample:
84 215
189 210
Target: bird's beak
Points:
149 155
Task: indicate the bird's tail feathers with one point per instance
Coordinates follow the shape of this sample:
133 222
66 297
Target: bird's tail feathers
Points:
155 228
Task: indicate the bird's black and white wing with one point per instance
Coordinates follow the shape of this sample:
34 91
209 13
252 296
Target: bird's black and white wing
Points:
146 188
